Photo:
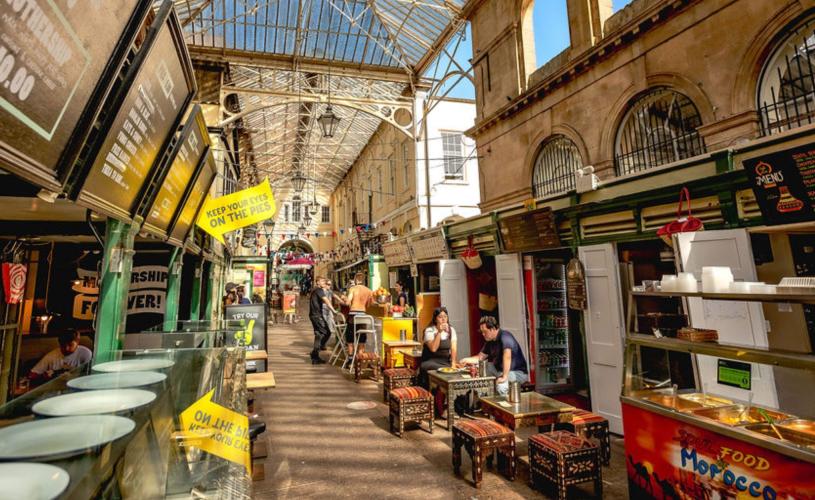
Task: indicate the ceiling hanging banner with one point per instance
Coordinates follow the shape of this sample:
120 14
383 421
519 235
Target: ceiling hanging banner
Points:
234 211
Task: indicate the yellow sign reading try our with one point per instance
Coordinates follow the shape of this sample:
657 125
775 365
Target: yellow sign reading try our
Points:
234 211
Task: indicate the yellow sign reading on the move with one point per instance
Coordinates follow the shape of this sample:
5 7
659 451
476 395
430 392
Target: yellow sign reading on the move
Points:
221 431
234 211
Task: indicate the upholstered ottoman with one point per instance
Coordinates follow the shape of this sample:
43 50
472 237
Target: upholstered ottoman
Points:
564 458
592 427
393 378
410 404
482 438
366 361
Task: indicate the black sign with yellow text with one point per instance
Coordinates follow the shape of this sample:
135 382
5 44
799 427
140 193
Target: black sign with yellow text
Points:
784 184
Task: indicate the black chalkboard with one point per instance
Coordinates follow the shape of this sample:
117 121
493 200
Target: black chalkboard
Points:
529 231
784 184
194 198
58 60
178 172
160 87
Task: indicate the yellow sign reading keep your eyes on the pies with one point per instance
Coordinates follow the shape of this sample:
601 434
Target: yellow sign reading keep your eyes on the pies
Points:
234 211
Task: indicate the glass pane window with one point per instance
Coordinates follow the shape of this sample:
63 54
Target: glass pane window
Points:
406 164
555 167
453 155
660 127
786 92
296 211
286 212
326 215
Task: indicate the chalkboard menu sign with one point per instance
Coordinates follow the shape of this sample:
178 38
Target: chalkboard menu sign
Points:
58 59
156 95
196 194
180 168
784 184
529 231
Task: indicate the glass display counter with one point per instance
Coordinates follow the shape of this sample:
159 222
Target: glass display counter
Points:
749 430
116 428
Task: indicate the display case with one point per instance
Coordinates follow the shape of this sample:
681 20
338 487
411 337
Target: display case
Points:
135 439
749 429
552 325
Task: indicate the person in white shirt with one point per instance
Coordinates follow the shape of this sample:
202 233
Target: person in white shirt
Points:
439 345
68 355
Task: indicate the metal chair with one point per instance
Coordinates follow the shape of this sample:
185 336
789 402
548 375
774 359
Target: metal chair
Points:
363 323
340 347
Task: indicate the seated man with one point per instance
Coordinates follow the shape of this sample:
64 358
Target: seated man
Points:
68 355
505 360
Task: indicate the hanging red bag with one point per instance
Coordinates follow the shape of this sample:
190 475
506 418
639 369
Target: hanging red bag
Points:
684 223
470 255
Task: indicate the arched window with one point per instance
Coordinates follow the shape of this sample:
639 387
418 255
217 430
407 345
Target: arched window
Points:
659 128
785 92
555 167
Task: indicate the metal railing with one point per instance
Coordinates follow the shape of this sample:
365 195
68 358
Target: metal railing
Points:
555 167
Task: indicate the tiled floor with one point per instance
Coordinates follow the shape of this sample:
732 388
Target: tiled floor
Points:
317 447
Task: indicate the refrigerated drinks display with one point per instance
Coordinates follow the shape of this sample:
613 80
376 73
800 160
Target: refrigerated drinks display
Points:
552 326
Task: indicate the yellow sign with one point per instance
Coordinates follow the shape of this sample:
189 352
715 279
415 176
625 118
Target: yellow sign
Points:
220 431
234 211
244 337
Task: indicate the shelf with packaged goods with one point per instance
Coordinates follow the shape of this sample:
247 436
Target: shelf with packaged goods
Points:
797 298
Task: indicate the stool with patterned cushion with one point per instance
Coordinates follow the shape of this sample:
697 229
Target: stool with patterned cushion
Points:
410 404
564 458
482 438
393 378
593 427
366 361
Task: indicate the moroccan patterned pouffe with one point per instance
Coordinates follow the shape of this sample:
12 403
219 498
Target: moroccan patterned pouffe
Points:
482 439
410 404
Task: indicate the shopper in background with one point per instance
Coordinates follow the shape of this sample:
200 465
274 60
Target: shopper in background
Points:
358 299
242 298
68 355
329 310
317 300
401 299
505 359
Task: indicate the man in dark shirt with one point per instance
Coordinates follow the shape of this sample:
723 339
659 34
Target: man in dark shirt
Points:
317 299
505 359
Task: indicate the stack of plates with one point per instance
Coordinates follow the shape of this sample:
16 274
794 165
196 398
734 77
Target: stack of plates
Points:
134 365
93 402
116 380
61 437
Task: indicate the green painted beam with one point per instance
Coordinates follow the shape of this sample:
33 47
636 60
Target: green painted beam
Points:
173 289
209 287
111 312
195 296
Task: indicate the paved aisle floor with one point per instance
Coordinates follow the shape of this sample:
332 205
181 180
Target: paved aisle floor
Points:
317 447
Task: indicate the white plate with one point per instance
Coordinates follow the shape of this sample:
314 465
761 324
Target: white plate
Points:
93 402
119 380
134 365
61 436
32 481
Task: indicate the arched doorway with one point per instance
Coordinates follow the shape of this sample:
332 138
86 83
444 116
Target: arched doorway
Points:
294 266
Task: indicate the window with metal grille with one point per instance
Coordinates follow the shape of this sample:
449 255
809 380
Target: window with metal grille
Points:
786 91
660 127
453 157
296 211
555 167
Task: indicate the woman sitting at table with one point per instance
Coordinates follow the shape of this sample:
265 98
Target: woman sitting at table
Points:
439 349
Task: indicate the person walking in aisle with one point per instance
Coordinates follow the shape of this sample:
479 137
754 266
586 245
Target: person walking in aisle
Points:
317 301
359 298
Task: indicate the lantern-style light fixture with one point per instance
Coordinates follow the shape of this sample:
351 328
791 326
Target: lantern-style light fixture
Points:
268 226
307 219
328 122
298 181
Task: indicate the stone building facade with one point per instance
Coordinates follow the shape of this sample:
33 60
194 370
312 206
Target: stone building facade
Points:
656 83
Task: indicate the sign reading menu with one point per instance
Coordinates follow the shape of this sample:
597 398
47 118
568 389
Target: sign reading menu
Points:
148 115
529 231
197 193
784 184
183 160
53 54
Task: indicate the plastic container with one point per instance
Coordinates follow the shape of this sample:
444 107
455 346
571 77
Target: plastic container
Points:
716 279
668 283
686 282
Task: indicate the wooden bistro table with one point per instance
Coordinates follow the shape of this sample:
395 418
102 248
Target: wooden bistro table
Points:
533 410
412 358
393 351
459 384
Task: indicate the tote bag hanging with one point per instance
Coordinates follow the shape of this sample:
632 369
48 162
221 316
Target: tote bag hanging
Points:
470 255
685 221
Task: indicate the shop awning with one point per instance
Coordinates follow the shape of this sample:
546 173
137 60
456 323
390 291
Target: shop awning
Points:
295 267
343 268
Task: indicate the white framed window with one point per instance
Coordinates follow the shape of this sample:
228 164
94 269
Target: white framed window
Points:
453 151
296 211
786 90
326 215
659 127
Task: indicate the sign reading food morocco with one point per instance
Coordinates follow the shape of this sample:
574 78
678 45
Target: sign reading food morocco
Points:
247 207
667 458
217 430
